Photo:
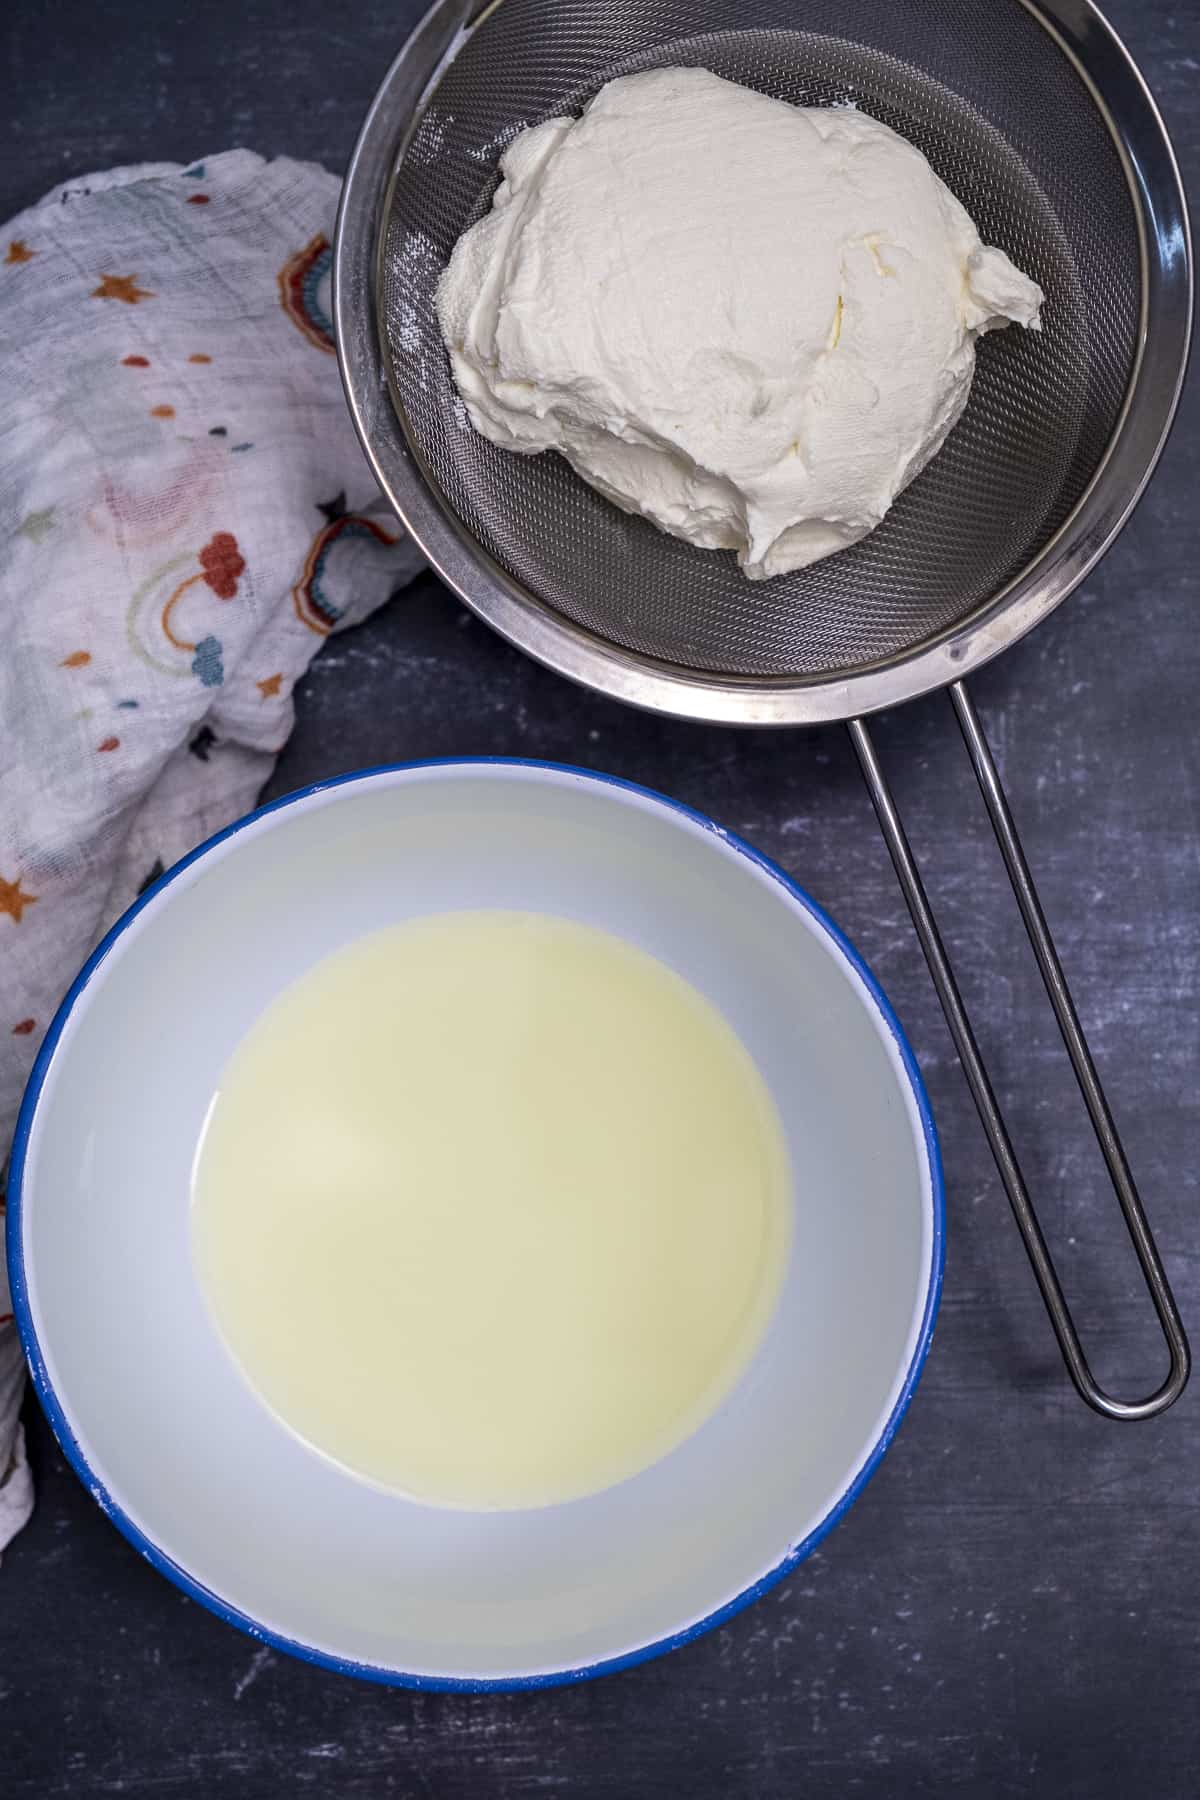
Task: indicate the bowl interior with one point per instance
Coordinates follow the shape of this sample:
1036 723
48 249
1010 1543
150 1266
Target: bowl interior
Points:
175 1444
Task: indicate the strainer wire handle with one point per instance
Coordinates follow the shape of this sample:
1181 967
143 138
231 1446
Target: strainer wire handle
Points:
1077 1049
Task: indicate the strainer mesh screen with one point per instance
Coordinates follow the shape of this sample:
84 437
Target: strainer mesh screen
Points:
1007 123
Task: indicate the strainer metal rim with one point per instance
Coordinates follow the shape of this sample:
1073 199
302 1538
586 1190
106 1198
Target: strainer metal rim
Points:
1140 136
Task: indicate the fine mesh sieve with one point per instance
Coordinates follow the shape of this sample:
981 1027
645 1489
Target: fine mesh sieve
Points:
1034 116
1043 406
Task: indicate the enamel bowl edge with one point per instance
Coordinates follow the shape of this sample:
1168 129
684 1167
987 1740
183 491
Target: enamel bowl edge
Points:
221 1498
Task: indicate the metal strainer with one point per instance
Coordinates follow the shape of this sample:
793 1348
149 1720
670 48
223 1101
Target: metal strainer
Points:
1033 114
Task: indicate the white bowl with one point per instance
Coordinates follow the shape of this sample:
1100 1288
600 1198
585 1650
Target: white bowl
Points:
218 1494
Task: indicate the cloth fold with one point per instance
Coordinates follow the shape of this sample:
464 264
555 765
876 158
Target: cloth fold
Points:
185 516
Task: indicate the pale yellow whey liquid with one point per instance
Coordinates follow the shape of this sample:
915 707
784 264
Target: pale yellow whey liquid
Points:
492 1208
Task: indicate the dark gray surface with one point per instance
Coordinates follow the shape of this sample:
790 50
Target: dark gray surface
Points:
1013 1608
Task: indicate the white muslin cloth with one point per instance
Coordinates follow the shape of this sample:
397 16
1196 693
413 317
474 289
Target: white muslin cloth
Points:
185 516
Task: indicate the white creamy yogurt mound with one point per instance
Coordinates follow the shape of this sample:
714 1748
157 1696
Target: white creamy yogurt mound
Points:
754 323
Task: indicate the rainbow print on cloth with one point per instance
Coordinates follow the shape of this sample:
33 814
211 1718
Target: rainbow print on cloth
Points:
341 557
304 292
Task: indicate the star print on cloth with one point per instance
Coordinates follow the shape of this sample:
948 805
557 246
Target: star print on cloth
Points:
13 901
121 287
202 743
150 637
19 252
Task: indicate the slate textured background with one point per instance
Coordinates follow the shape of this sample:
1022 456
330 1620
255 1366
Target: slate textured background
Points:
1013 1608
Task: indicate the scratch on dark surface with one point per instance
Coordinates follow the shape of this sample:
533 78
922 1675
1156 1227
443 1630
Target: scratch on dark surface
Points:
262 1659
